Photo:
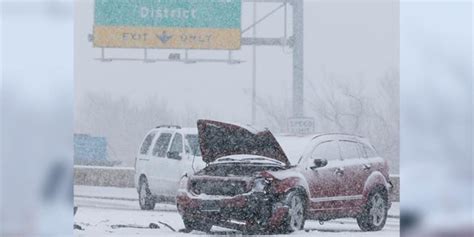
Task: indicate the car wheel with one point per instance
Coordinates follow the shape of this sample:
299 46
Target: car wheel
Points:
296 212
144 196
196 224
374 213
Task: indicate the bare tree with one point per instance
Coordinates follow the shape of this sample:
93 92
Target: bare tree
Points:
352 105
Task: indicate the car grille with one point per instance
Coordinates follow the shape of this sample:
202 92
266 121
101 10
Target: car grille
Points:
219 187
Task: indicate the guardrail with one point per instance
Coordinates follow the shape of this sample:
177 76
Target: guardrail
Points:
104 176
123 177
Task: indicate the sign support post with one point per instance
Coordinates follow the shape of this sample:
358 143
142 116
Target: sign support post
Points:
254 67
298 59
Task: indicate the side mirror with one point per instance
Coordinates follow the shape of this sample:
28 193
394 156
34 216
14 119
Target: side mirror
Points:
318 163
174 155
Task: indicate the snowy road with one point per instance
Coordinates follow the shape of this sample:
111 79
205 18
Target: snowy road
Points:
103 210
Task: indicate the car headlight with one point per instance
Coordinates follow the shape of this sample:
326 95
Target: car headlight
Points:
260 185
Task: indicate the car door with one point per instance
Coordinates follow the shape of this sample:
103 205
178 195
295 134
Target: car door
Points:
143 157
371 161
353 179
325 182
156 176
366 166
173 167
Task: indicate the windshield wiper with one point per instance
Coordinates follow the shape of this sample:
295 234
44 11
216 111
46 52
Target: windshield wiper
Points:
265 159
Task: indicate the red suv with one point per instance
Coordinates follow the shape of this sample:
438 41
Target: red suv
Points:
249 184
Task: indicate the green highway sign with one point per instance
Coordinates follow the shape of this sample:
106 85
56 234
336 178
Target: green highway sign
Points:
222 14
189 24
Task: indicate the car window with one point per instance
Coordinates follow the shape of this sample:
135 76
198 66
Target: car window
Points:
147 143
349 149
362 151
327 150
369 151
177 144
161 145
193 143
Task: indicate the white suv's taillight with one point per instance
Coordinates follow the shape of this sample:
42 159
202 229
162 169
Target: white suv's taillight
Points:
183 183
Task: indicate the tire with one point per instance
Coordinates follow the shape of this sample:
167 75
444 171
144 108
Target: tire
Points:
374 213
196 224
295 219
146 200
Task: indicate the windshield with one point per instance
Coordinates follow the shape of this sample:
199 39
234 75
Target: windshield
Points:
194 144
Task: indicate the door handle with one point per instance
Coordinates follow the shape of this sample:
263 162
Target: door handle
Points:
366 167
339 171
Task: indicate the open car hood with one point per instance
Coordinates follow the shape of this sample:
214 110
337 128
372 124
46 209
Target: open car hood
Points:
218 139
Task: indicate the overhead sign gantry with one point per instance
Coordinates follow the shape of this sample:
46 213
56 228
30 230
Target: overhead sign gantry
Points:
199 24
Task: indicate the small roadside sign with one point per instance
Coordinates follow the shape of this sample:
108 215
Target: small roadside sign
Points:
301 125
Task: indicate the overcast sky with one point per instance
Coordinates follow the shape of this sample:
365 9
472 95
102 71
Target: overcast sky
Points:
349 39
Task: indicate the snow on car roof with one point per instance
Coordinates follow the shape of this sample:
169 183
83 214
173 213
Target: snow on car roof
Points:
187 130
343 136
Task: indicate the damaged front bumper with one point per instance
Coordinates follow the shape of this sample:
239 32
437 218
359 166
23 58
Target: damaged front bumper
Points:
251 210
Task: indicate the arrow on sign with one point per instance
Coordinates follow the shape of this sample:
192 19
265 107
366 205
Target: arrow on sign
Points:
164 37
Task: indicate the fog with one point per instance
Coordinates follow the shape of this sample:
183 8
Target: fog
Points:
37 83
351 75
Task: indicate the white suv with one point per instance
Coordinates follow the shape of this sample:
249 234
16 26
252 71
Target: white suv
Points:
165 154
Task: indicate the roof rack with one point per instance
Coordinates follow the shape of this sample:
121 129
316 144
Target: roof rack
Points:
337 133
169 126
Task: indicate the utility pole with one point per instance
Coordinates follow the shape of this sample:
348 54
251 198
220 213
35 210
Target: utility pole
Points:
254 67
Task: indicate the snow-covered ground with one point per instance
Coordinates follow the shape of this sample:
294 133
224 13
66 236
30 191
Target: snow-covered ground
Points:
102 210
